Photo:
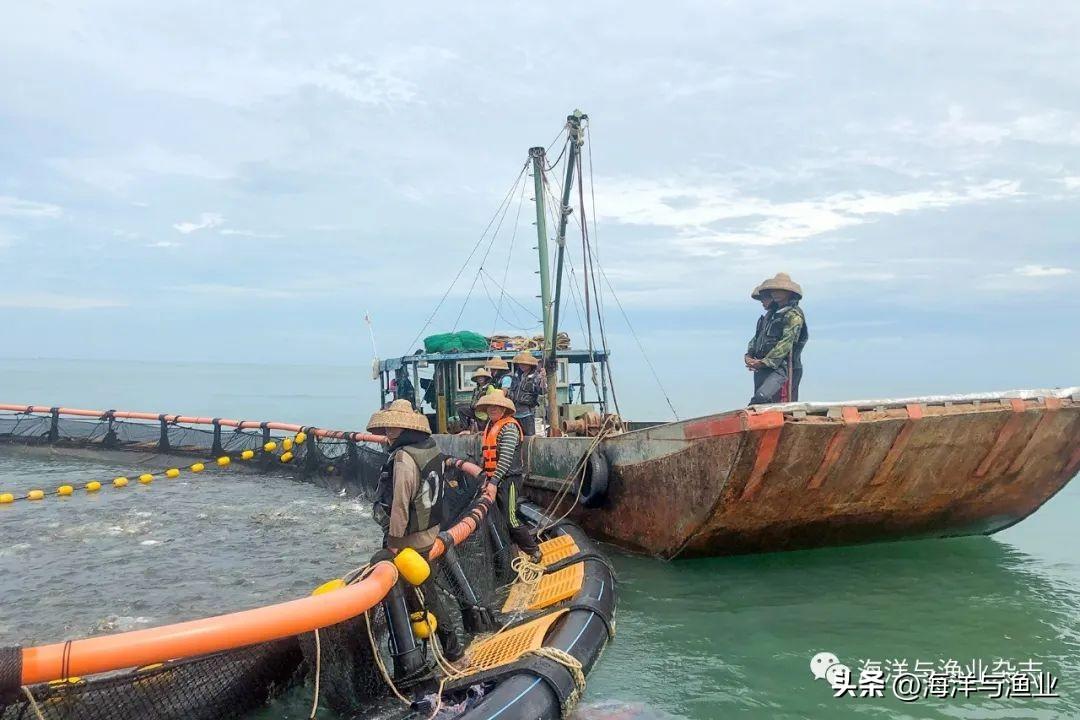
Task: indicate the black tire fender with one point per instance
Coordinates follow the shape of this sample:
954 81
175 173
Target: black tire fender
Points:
594 484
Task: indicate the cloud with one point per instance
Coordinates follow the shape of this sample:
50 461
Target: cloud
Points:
713 213
1032 271
206 221
118 173
163 244
56 301
236 291
16 207
248 233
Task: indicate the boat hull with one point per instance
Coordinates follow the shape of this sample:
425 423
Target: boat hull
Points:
788 477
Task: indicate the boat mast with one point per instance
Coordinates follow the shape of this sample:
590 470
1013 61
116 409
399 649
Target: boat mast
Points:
550 306
538 159
575 138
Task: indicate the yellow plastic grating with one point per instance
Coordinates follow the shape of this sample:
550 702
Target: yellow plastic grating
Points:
553 588
506 647
558 549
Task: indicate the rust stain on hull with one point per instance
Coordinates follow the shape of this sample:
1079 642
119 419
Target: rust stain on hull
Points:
863 475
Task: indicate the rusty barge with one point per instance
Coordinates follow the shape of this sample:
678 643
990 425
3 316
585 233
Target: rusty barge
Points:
803 475
761 479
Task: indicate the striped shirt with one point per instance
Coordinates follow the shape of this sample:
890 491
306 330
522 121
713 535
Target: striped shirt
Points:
507 443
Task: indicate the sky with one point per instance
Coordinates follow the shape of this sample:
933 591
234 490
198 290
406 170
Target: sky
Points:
244 182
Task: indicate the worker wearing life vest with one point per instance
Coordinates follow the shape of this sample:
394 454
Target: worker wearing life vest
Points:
409 502
767 306
500 373
777 350
527 387
470 418
501 444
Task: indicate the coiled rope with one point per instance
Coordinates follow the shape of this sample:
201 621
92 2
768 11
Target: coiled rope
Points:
527 571
577 672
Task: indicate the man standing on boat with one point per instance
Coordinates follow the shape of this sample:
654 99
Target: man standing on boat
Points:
501 446
776 351
526 388
409 504
767 307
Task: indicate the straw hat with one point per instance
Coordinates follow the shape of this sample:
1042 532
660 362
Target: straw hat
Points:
497 363
755 294
782 281
479 373
496 399
525 358
400 414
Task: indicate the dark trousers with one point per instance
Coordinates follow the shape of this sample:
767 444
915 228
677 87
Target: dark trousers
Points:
437 605
507 500
769 386
796 378
528 424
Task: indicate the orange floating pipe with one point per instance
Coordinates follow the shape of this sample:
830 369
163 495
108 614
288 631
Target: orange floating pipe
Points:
208 635
461 530
196 420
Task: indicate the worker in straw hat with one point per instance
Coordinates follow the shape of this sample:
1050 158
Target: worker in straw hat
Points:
776 353
471 418
409 501
527 386
501 444
500 373
767 307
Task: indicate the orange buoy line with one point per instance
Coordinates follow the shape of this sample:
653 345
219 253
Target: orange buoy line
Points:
145 478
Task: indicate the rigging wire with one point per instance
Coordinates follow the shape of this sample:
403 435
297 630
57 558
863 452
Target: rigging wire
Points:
587 269
506 199
556 203
510 297
483 260
641 347
509 257
595 242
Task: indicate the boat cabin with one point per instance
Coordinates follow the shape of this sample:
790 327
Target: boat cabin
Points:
437 383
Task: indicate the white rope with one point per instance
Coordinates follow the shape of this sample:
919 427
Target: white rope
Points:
318 675
33 702
379 661
527 571
607 429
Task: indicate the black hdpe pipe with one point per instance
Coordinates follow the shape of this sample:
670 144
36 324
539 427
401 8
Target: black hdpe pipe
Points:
581 632
408 655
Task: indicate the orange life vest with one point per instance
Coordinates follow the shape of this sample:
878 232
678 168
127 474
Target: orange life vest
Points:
490 442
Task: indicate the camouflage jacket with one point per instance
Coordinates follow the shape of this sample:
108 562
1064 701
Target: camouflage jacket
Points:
792 338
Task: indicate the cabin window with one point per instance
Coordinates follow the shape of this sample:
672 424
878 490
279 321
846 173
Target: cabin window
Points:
465 369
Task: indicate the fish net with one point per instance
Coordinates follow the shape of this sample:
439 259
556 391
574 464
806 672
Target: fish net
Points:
351 659
222 685
338 463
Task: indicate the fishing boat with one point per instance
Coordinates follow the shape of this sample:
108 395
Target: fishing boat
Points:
762 478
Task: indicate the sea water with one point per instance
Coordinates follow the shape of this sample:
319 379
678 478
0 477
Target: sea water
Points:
697 639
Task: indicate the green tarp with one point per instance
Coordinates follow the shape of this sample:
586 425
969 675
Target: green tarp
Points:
455 342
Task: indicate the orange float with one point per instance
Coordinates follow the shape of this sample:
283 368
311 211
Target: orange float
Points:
104 653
